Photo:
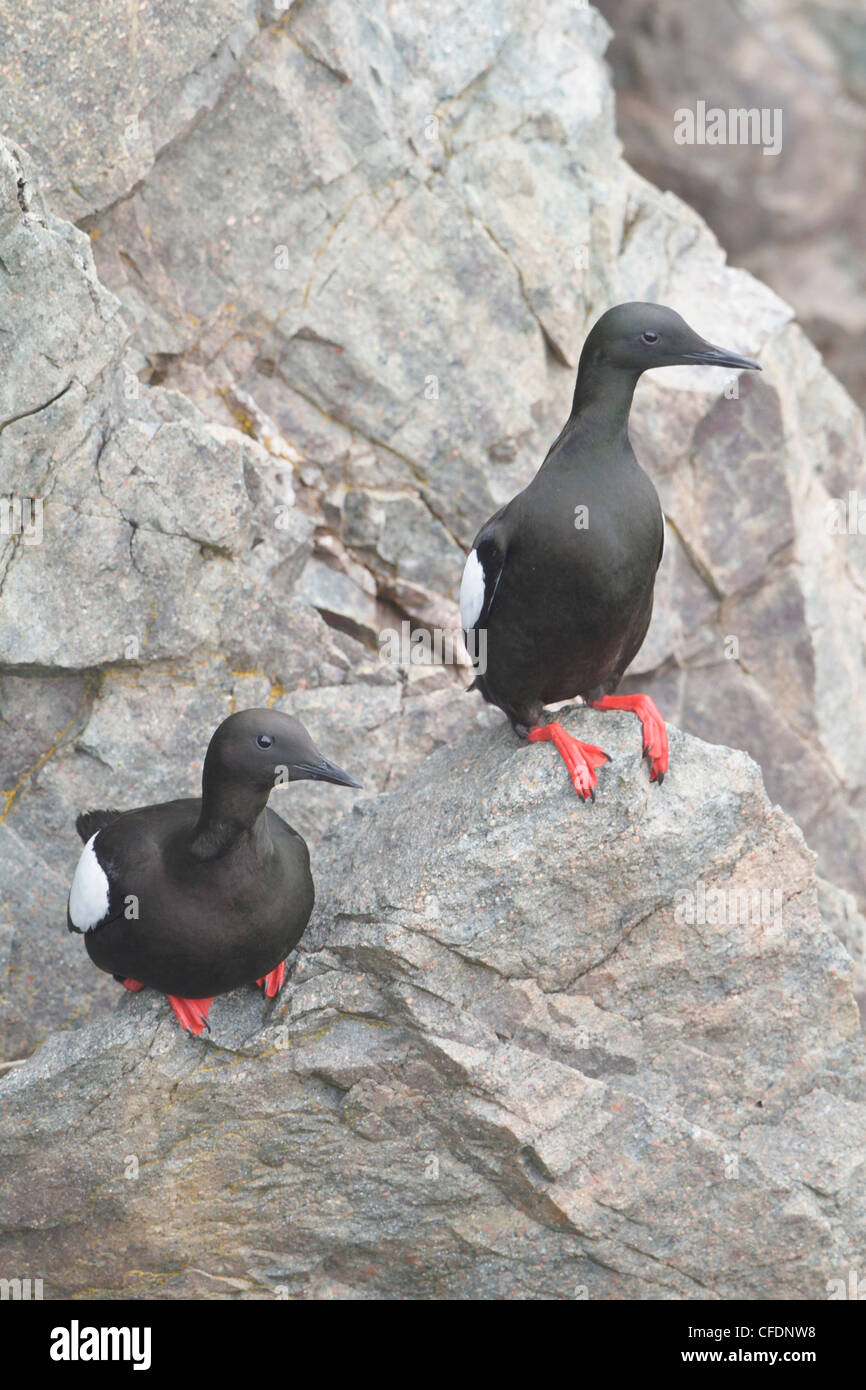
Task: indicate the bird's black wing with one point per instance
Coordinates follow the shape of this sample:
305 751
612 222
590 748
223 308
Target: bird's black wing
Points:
95 877
482 573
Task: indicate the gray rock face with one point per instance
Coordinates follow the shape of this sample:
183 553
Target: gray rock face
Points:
794 217
339 301
530 1049
95 93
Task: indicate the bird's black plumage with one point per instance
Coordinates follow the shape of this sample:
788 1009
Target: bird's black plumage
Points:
197 896
561 578
569 610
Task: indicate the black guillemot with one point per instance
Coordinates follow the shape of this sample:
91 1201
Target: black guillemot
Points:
561 578
198 896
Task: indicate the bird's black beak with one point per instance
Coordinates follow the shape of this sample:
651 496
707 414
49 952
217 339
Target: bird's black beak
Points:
322 771
709 356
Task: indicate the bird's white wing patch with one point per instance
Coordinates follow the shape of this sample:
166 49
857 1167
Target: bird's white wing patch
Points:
88 896
471 591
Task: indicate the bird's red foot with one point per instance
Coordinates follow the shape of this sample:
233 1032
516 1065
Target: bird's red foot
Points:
133 985
655 735
581 759
274 980
191 1014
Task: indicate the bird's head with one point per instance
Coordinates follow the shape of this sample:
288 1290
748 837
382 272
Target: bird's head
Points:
637 336
266 748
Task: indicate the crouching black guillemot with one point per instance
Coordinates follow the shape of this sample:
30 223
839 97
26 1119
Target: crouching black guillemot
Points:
562 577
198 896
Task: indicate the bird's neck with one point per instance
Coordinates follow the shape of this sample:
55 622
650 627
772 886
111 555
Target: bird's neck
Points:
602 399
230 812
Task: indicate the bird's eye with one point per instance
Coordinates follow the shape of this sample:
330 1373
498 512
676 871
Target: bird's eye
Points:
264 740
649 336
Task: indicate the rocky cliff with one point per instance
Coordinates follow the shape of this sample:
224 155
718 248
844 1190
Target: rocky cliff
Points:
367 248
285 315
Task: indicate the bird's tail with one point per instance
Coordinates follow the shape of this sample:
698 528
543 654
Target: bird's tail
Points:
88 822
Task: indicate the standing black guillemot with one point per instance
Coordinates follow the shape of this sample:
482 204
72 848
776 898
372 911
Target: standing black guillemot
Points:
566 606
197 896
